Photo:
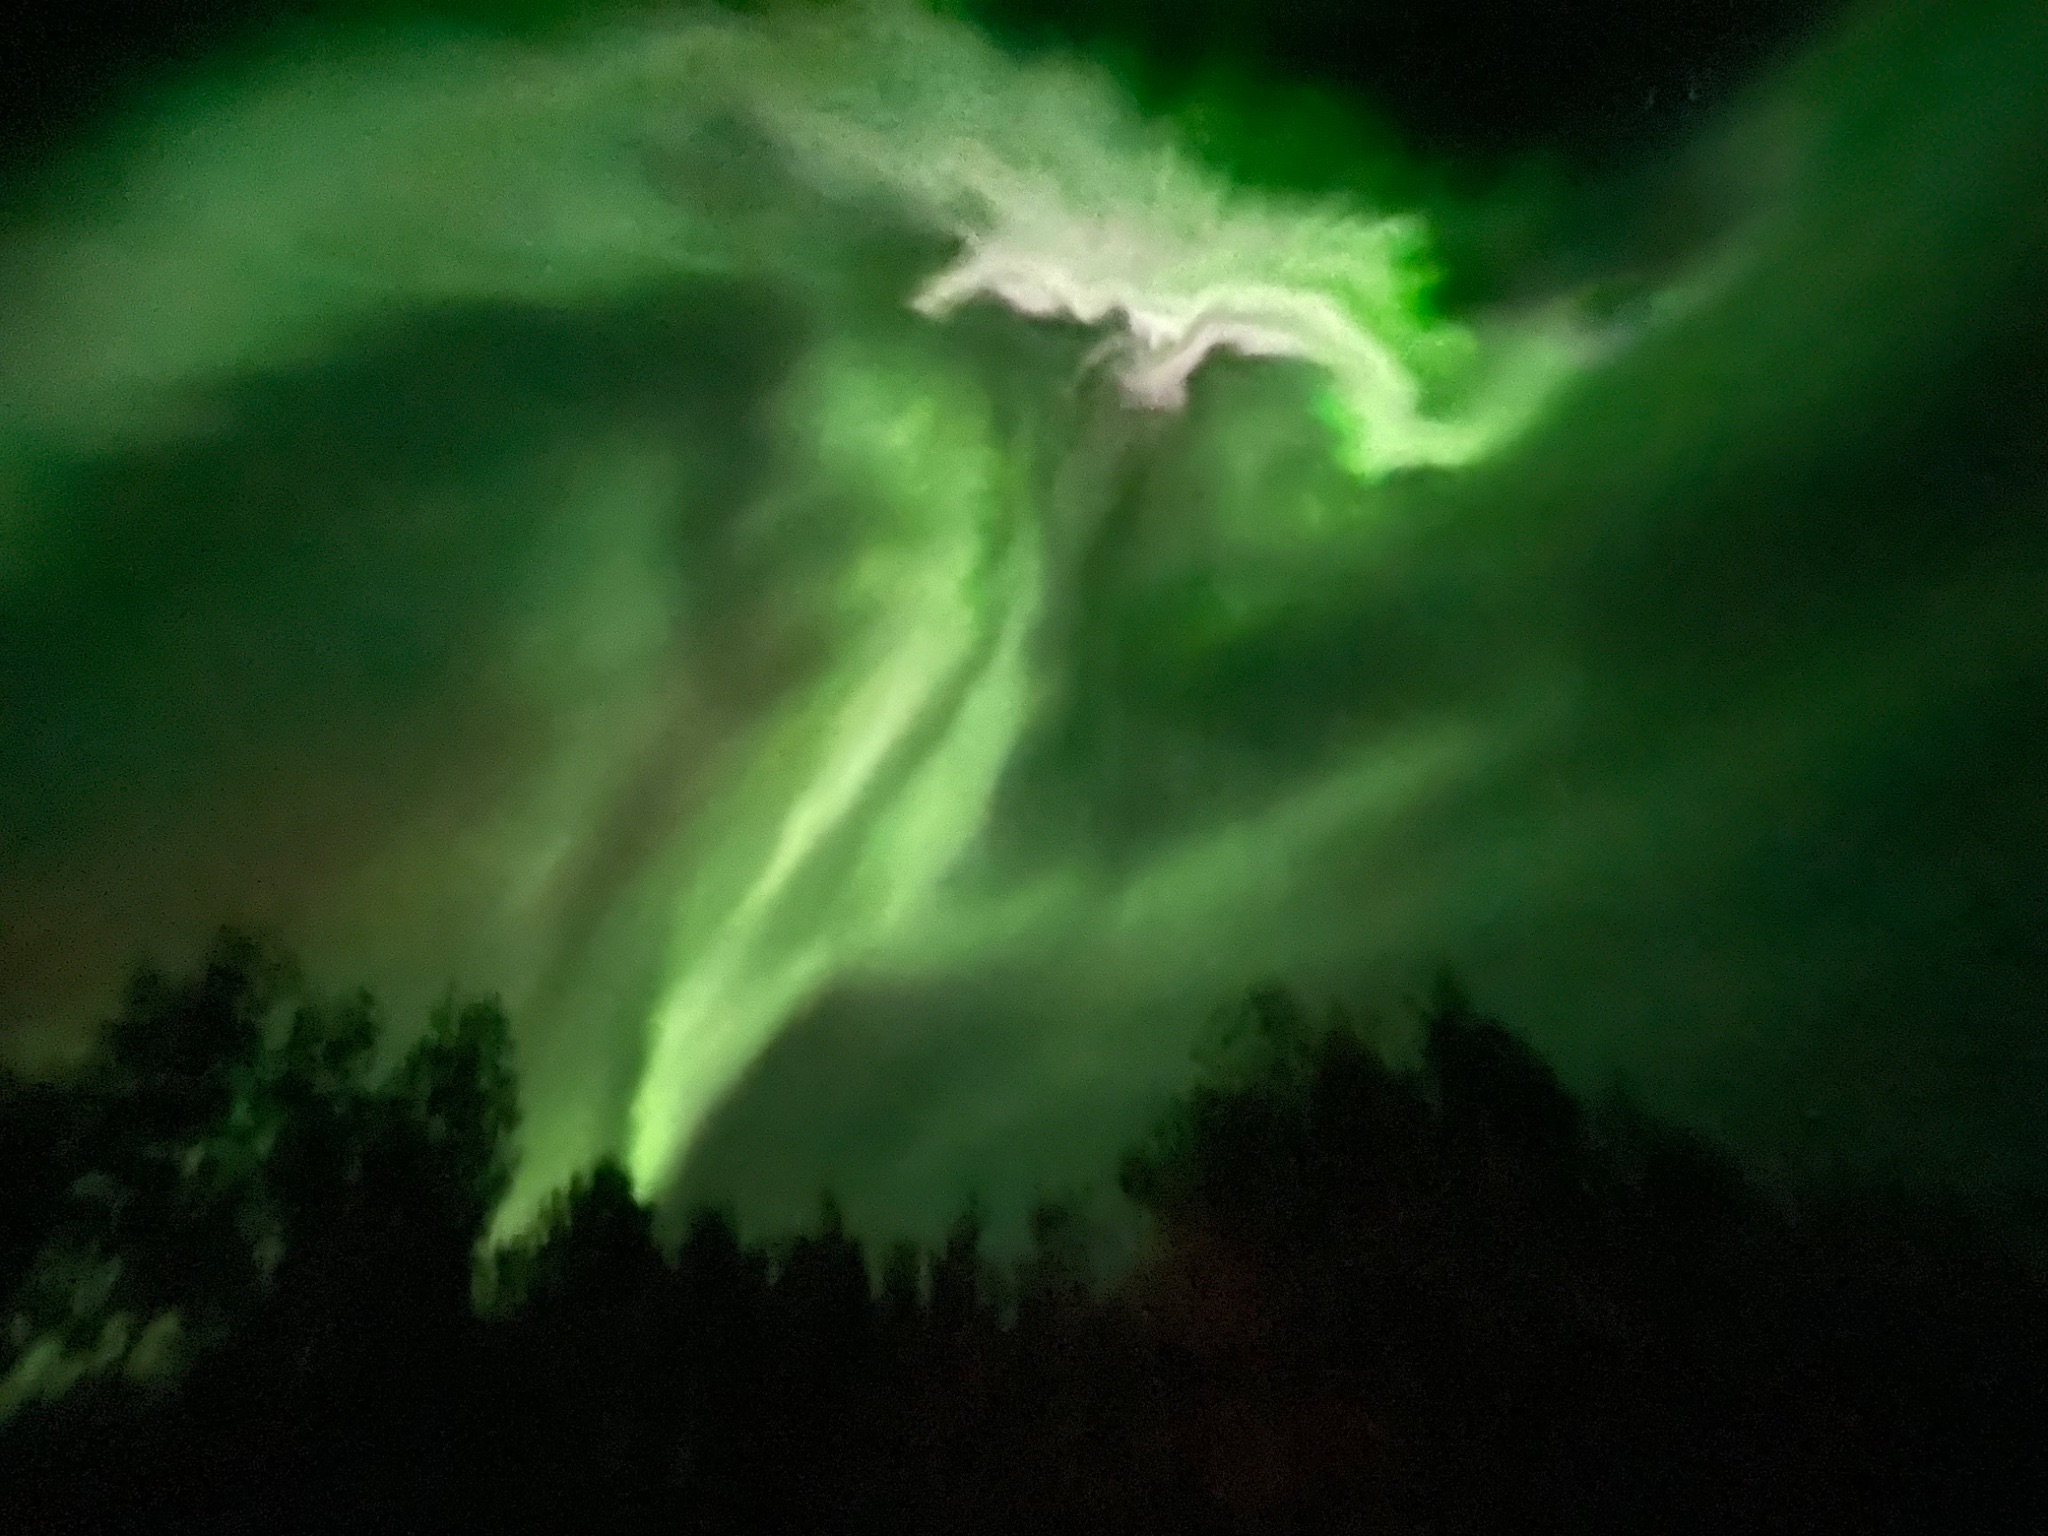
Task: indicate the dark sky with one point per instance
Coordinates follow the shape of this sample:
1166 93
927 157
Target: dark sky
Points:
481 504
1474 78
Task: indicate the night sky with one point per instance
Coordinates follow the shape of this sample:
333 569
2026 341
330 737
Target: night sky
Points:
867 569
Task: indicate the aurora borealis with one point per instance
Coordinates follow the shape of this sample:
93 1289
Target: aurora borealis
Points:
863 579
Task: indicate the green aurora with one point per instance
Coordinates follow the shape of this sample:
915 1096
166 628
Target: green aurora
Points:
863 579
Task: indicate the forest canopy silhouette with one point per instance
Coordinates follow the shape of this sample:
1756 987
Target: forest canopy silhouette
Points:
247 1285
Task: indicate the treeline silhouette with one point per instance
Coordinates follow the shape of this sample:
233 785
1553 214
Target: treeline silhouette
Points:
241 1252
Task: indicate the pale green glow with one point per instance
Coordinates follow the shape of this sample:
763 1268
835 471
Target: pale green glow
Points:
1065 206
889 758
263 224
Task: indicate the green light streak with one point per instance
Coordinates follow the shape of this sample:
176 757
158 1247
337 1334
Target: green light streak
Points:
1065 206
264 223
885 766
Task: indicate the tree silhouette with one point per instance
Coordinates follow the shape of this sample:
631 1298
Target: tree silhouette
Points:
1444 1299
1489 1084
228 1175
